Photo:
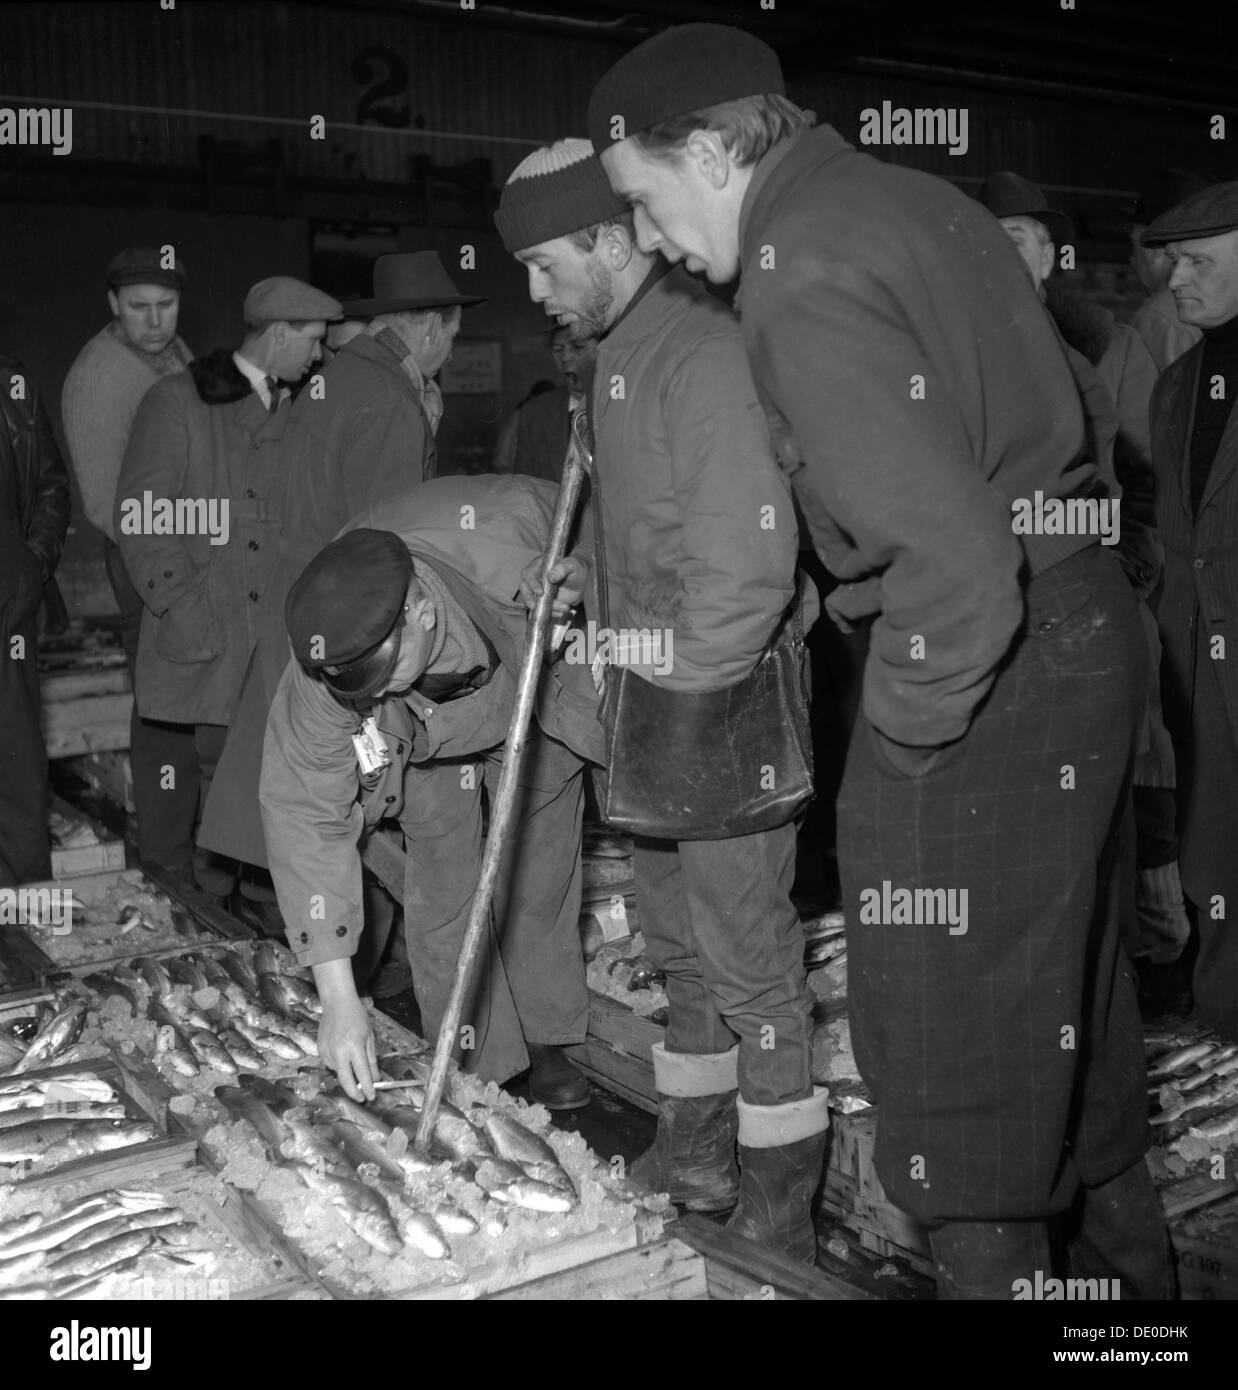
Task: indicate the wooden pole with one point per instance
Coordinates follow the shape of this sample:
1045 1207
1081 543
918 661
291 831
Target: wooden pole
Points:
505 798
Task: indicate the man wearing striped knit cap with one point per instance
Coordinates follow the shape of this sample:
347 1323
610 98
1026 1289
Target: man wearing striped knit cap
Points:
696 544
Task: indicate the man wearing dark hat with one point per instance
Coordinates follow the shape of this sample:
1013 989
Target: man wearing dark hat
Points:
194 520
683 475
901 345
34 516
407 643
367 432
108 378
1195 450
1162 332
1115 376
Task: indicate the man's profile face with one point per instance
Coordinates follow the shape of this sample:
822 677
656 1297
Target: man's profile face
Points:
298 348
1204 279
1037 256
147 314
416 643
442 338
574 287
677 210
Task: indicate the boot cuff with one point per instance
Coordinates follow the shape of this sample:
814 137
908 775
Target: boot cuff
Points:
773 1126
695 1073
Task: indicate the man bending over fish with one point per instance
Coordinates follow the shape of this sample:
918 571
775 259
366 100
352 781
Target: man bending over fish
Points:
407 634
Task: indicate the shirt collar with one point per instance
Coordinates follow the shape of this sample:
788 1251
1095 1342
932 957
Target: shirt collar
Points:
255 376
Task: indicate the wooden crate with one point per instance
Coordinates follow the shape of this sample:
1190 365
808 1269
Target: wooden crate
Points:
121 1167
108 773
617 1053
107 851
693 1261
89 724
852 1193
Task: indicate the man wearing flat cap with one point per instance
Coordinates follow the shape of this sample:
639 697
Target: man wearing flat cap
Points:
1160 329
194 520
901 345
1115 376
407 640
101 393
366 433
1195 452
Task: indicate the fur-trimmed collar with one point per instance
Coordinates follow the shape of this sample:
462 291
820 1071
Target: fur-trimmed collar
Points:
217 378
1087 327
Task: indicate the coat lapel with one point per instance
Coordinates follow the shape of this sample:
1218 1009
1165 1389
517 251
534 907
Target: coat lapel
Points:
1223 465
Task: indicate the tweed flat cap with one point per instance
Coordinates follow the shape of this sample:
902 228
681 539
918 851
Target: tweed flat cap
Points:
281 298
143 265
345 613
1210 212
680 70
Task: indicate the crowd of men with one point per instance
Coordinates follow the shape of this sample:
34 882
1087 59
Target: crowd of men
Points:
1048 728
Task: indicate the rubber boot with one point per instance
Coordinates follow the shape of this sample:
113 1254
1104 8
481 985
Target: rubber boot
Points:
987 1259
781 1159
692 1157
553 1081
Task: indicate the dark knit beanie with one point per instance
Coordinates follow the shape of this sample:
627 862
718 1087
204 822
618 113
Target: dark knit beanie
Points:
680 70
557 190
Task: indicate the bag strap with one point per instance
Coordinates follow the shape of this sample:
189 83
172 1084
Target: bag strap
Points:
582 432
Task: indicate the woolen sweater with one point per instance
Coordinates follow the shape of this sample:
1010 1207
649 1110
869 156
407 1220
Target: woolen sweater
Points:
101 395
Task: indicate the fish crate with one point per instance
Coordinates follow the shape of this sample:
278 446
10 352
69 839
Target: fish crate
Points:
853 1196
79 844
617 1053
108 773
1201 1212
693 1260
120 1167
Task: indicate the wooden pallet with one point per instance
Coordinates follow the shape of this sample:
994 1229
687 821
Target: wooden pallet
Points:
693 1261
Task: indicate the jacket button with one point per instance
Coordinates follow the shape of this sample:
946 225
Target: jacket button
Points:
399 748
341 931
150 583
305 936
1045 627
167 574
253 545
1199 564
253 593
389 800
249 492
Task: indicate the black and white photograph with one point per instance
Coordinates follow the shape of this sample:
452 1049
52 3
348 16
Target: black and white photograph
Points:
614 671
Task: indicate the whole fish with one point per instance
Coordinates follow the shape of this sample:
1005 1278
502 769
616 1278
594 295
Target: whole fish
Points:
1179 1059
172 1047
62 1030
460 1139
67 1086
211 1052
279 1097
127 976
157 979
117 1225
417 1227
98 1140
277 996
1199 1100
273 1044
453 1218
303 1037
266 961
1224 1064
188 1014
336 1104
184 970
513 1141
18 1226
242 1050
306 1144
15 1268
80 1217
242 1105
110 987
241 972
216 976
362 1209
114 1110
551 1174
507 1182
96 1258
360 1147
1220 1128
302 994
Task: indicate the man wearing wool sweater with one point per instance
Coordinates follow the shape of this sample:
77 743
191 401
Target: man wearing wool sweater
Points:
101 394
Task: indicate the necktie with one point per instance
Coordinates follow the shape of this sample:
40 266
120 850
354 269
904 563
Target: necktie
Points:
272 395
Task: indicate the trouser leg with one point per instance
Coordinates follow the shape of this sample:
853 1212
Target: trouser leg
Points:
214 873
162 757
25 850
988 1259
537 895
1117 1231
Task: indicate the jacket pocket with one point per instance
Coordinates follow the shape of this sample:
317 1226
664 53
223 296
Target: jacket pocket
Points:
190 630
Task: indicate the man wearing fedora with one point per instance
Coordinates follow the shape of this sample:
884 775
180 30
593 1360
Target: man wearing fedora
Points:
365 434
108 378
210 436
1116 376
900 343
407 637
1195 451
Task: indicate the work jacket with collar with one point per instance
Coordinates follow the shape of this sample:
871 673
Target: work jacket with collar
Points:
698 525
1199 600
204 436
34 493
478 534
890 322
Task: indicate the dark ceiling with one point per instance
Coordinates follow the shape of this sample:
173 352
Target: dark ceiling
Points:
1150 53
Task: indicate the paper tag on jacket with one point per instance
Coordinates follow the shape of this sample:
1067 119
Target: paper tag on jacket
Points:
372 754
598 668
